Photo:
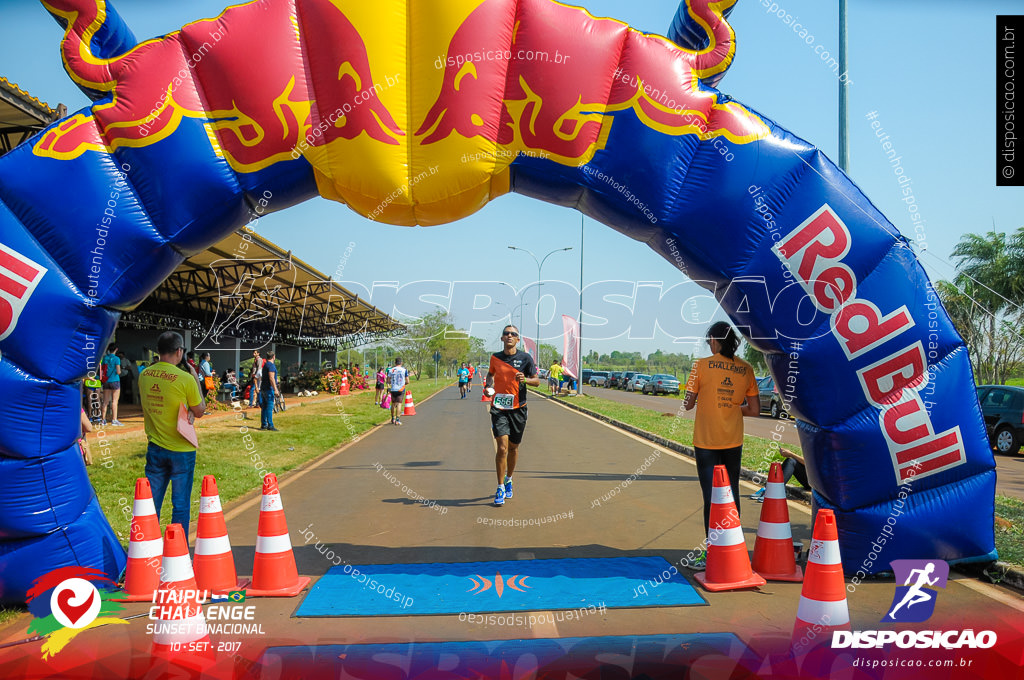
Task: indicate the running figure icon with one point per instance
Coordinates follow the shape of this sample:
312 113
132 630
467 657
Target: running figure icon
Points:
916 594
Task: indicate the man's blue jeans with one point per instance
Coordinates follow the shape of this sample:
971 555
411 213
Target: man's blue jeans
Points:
267 408
176 468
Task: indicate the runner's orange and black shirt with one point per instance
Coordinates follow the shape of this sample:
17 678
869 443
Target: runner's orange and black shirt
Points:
721 385
504 367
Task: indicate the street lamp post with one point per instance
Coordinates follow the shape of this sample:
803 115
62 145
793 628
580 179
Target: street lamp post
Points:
540 266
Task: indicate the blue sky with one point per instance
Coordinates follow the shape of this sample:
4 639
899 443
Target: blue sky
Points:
926 68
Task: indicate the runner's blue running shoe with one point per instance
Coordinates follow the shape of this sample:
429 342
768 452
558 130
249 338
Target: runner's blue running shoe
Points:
508 487
499 496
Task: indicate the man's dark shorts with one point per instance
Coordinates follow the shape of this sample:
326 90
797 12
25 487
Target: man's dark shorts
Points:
396 397
511 423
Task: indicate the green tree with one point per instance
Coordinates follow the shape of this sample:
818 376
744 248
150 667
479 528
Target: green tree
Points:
983 302
755 358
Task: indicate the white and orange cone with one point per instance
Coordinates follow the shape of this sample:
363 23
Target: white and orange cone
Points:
145 547
823 606
273 571
773 548
343 390
214 563
180 622
728 564
410 407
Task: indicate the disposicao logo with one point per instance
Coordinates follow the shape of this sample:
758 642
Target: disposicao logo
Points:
67 601
914 602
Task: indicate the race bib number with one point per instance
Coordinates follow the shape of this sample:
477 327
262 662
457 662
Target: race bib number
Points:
504 402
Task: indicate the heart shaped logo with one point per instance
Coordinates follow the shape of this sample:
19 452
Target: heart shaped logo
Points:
75 603
73 612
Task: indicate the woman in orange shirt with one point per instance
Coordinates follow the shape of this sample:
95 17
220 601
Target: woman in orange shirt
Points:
723 389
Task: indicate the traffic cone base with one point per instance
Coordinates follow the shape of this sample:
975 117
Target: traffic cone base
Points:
728 564
290 591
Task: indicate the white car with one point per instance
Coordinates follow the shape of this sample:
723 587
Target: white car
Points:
637 382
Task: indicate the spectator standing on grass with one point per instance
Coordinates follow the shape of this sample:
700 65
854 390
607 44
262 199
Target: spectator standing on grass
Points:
206 373
110 370
254 377
170 457
723 389
382 382
398 378
555 377
269 389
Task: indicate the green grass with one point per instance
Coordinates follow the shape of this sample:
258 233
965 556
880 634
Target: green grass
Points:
1010 541
8 614
231 450
758 453
1016 382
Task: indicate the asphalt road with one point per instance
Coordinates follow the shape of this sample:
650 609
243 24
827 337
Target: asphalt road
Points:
359 503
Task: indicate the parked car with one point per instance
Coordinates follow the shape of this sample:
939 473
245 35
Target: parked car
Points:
661 383
637 382
1003 409
585 375
613 378
626 377
771 400
598 378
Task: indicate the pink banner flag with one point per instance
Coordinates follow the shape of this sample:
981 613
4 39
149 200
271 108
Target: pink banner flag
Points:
531 349
571 349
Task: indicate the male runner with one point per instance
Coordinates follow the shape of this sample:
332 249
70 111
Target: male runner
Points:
463 379
509 374
472 372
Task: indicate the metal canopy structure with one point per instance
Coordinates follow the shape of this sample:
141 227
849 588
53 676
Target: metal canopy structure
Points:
248 288
22 115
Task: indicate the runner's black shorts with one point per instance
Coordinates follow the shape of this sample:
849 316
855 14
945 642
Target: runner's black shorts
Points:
511 423
396 397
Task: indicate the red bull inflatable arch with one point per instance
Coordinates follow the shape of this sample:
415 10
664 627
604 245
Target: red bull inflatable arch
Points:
418 113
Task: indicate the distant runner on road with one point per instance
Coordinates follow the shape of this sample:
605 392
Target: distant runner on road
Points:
508 375
463 379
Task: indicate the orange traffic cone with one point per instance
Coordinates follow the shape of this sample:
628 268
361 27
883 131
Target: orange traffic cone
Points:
179 621
410 407
484 397
214 564
273 571
142 575
773 548
343 390
823 605
728 565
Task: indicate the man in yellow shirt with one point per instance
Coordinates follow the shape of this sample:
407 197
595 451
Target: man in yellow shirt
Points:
555 377
723 389
170 457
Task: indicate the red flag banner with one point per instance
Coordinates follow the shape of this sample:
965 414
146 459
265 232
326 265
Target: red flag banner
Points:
571 349
531 349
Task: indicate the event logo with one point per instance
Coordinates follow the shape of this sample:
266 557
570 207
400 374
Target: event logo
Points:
914 601
66 601
499 583
19 277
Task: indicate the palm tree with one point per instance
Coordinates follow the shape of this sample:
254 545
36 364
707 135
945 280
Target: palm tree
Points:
983 301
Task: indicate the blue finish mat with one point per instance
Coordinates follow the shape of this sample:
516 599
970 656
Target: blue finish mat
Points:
521 585
656 657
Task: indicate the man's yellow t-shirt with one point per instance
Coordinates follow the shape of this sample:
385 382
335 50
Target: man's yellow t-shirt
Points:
721 386
164 388
555 371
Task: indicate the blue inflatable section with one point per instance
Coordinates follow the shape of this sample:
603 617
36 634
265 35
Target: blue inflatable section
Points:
807 268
